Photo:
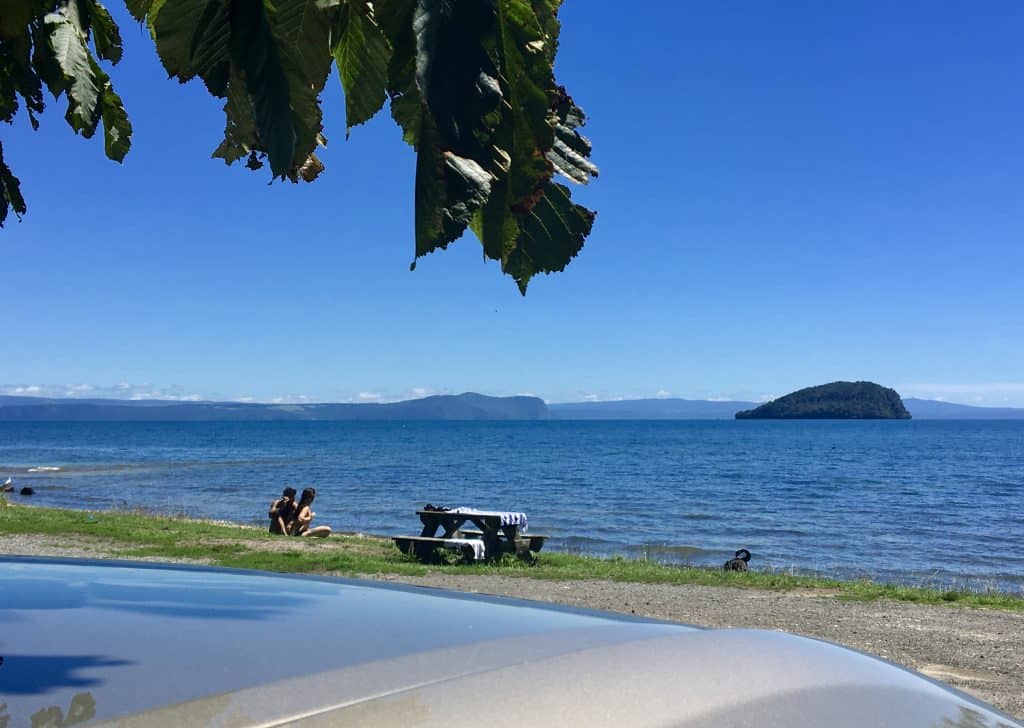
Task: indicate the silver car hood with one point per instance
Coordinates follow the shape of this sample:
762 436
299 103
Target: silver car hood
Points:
142 645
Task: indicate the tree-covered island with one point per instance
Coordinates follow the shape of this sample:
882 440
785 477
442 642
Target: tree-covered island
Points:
835 401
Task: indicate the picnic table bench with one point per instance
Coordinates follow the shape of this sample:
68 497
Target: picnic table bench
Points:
535 541
425 548
497 532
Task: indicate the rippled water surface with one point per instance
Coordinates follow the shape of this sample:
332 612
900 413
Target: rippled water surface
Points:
919 501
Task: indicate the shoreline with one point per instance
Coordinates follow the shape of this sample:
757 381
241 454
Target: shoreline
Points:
975 643
862 588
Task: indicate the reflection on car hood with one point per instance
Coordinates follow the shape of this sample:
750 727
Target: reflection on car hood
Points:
157 645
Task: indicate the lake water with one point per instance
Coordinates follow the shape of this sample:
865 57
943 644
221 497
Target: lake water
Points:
921 502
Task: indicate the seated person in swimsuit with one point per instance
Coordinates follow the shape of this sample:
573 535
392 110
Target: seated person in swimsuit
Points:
301 526
282 512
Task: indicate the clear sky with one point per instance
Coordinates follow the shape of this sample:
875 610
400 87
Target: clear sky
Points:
790 194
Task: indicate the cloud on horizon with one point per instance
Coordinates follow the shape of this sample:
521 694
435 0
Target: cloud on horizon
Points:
289 399
121 390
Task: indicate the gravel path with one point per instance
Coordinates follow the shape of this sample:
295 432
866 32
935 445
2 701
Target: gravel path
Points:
980 651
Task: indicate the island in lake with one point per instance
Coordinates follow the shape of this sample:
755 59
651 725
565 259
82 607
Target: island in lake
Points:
835 401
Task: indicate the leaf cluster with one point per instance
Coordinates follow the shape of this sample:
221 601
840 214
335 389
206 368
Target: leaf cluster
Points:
59 45
470 83
473 88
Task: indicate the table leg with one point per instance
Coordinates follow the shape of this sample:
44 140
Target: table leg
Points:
452 526
510 531
430 525
492 542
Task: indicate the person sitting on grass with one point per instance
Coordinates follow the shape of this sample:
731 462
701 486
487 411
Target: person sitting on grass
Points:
304 517
282 512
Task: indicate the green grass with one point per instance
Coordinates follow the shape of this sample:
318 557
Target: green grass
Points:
134 534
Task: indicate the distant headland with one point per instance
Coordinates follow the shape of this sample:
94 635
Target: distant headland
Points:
834 401
467 406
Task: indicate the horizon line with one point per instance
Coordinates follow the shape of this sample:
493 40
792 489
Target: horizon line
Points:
306 402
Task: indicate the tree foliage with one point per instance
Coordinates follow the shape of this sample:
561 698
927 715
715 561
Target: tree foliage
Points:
834 401
470 84
58 45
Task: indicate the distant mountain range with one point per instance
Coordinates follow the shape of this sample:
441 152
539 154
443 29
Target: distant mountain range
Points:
932 409
468 406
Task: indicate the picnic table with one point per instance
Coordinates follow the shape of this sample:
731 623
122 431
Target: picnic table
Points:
498 532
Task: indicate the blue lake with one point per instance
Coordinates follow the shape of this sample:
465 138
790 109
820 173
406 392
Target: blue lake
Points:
921 502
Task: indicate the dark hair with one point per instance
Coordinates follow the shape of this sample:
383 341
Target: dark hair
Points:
288 492
308 494
287 512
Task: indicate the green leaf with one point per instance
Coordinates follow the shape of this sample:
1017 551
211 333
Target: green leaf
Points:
117 129
570 151
304 31
491 127
525 133
193 39
105 34
553 232
362 54
407 111
79 81
18 77
43 61
269 58
240 135
10 191
547 16
304 35
456 75
395 19
8 93
255 52
449 189
139 9
458 99
69 68
529 223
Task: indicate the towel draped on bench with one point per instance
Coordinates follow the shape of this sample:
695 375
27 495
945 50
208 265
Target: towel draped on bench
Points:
507 518
476 543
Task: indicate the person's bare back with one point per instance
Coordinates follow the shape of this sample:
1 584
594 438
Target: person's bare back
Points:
302 525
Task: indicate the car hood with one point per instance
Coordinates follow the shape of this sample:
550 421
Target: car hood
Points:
144 645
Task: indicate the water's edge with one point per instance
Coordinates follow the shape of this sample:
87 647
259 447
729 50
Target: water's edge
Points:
921 503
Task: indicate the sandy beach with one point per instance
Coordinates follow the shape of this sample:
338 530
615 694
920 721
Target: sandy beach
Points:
980 651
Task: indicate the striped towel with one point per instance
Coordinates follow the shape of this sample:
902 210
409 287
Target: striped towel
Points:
508 518
476 543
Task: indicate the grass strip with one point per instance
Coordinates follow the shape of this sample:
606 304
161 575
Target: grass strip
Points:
129 534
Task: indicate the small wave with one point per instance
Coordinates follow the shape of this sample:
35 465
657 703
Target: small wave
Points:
585 541
675 552
44 469
773 531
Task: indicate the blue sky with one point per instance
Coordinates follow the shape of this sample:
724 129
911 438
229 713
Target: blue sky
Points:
788 195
